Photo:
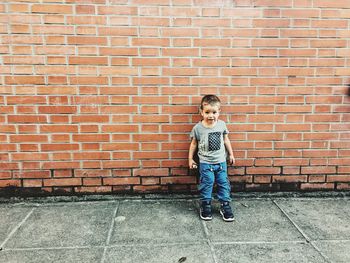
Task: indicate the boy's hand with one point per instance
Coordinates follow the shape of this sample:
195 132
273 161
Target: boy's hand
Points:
192 164
231 160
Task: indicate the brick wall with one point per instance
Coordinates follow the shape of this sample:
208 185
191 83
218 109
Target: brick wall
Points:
100 95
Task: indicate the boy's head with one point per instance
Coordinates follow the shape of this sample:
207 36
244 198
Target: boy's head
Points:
210 108
211 100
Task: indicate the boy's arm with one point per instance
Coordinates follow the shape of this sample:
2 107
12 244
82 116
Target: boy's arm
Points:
228 146
193 146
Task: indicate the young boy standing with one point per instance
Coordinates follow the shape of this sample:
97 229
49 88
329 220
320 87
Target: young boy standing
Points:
210 136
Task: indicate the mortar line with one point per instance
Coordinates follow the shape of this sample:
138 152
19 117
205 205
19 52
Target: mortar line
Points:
110 232
16 228
308 239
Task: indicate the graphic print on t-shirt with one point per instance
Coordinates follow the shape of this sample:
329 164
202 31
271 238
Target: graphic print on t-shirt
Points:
214 141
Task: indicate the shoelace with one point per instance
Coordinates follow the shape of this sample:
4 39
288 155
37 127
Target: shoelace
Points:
206 208
227 209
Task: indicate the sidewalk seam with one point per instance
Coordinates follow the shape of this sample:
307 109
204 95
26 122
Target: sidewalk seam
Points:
16 228
210 244
110 246
308 239
110 232
207 237
327 259
294 224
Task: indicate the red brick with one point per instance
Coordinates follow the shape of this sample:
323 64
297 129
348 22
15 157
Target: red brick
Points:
88 60
263 170
120 164
338 178
60 9
90 137
62 173
86 40
92 173
150 155
60 165
241 179
266 23
32 183
289 179
88 80
212 42
5 175
151 172
316 178
8 183
150 188
85 9
32 174
279 3
317 186
260 179
92 181
178 180
24 80
93 189
28 138
318 170
117 10
121 181
63 182
150 181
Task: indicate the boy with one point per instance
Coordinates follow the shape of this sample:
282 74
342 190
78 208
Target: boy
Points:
210 135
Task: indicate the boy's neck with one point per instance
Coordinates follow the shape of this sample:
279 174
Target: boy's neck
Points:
209 125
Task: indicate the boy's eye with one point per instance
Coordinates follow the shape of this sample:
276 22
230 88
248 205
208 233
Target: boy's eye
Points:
214 112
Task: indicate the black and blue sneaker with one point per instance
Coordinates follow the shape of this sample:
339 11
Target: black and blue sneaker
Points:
226 212
205 211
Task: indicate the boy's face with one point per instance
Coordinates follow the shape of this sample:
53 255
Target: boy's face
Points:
210 113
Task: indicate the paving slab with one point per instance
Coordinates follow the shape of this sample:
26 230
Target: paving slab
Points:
85 224
144 222
66 255
267 252
320 219
160 254
255 220
168 230
10 218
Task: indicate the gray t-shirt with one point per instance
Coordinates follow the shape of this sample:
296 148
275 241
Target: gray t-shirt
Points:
211 147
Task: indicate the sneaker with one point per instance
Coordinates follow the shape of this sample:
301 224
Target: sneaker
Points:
226 212
205 210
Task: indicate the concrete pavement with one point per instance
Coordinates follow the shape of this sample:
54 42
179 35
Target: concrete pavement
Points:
154 229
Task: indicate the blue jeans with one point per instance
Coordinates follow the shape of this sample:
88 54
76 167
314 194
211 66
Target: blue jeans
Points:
211 173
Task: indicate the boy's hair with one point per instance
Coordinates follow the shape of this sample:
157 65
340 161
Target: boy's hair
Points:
209 99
